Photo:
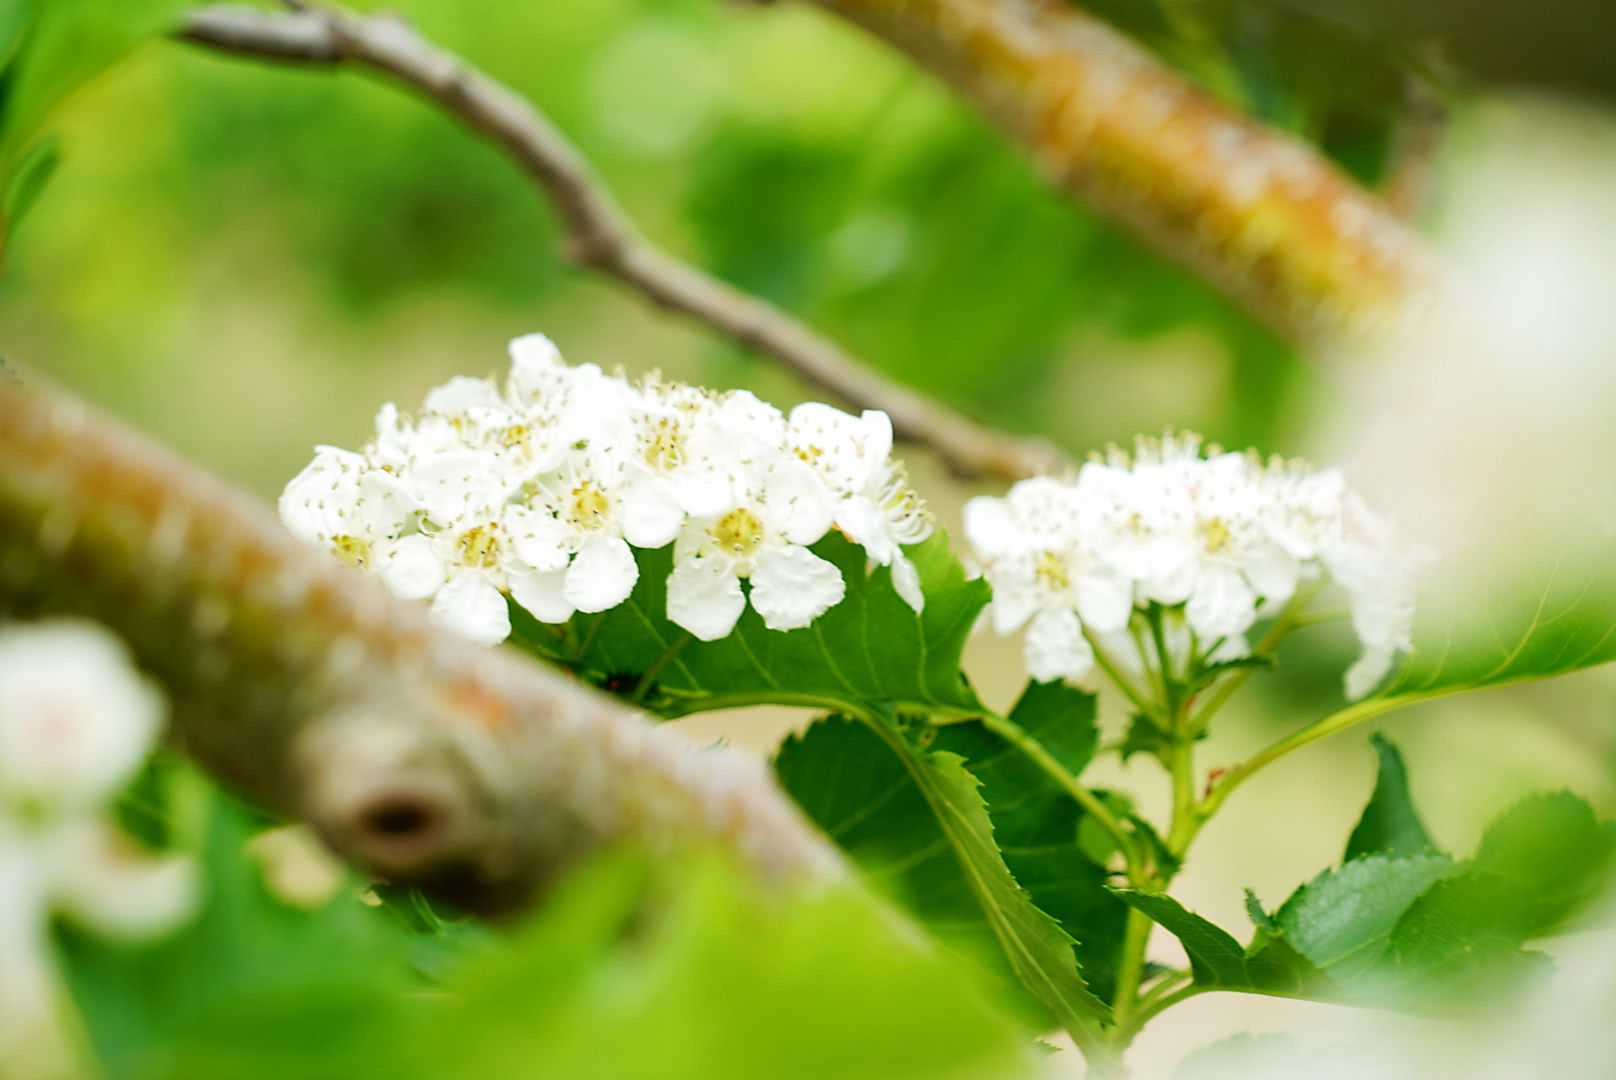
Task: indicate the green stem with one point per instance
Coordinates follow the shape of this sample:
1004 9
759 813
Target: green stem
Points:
1168 984
1135 940
1016 736
1126 1032
1336 722
1289 619
664 658
1187 819
1114 673
1164 661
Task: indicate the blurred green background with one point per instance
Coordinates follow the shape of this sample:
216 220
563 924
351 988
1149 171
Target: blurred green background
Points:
246 260
291 248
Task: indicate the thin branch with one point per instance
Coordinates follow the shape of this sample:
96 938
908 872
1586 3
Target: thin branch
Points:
429 760
599 233
1262 216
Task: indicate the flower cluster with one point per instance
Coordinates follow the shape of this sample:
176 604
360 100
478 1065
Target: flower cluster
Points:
76 721
1218 540
540 488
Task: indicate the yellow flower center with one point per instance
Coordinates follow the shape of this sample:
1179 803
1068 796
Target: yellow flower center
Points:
352 550
479 546
1051 571
739 532
1216 535
664 444
589 505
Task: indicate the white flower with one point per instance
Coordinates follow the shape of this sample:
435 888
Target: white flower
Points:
76 720
1206 542
538 491
575 535
782 507
340 501
1036 550
875 506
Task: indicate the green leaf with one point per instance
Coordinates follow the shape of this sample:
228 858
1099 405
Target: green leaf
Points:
858 792
23 187
1390 825
1540 624
1217 961
1343 919
861 805
1039 826
1555 849
65 45
681 973
225 994
869 648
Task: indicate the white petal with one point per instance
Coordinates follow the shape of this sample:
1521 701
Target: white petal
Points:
1056 647
385 505
1170 570
1271 571
1221 604
1368 672
704 597
704 492
1016 595
1104 602
542 596
534 352
458 485
791 587
991 528
797 505
412 569
650 513
462 394
539 539
470 605
906 580
602 575
121 893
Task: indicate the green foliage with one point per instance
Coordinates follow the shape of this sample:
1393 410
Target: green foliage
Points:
1038 825
1401 924
870 648
49 48
251 987
1035 947
1538 624
1343 919
1217 960
631 968
713 982
1390 825
859 793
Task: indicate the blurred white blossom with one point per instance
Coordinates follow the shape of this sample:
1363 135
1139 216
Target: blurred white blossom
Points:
1215 541
76 722
540 490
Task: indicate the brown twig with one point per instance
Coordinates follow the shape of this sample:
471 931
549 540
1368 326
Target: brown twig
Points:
599 233
426 759
1264 217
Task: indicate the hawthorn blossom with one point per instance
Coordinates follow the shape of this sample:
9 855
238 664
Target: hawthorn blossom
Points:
782 508
76 722
875 506
538 491
1038 547
1210 541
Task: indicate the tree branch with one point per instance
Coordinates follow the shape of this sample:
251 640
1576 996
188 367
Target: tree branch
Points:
599 233
1264 217
426 759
